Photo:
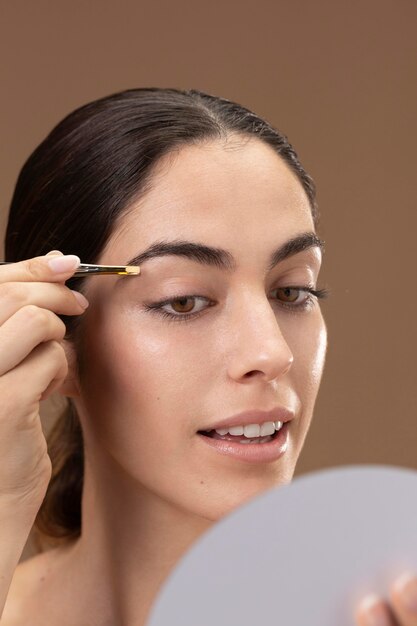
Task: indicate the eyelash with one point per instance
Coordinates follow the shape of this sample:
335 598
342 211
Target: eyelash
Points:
293 308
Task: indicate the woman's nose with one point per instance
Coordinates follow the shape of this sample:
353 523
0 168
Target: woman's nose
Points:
260 346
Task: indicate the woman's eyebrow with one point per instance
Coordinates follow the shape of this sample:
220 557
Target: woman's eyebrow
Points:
221 258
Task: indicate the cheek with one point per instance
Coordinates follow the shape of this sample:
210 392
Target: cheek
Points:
157 365
144 391
146 380
309 350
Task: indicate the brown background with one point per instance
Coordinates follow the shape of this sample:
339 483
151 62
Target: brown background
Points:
339 79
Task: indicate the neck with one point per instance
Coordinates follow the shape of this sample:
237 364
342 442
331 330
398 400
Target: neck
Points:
131 539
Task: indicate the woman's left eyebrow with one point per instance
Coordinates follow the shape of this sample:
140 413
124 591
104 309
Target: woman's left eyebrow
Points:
221 258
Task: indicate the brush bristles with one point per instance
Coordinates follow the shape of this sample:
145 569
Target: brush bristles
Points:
133 269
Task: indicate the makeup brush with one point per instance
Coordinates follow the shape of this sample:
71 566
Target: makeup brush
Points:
88 268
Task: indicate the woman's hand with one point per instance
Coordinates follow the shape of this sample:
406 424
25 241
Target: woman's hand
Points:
401 610
32 365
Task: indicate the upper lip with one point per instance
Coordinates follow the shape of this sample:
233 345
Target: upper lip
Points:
256 416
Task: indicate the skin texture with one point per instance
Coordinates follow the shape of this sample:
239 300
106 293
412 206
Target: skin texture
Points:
147 384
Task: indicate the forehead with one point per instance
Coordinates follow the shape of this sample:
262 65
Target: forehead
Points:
218 190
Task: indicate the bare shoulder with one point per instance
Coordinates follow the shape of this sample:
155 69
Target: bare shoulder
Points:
23 598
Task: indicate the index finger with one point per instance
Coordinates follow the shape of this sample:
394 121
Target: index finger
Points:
54 268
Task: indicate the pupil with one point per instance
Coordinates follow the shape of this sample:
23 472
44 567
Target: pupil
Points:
182 302
286 292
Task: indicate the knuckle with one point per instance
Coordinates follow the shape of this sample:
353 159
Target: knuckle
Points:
36 268
58 351
61 328
59 359
43 319
33 314
11 291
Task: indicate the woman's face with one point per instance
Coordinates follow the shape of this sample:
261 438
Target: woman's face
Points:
150 382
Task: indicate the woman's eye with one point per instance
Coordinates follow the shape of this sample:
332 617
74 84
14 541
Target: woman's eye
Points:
291 295
183 307
308 300
295 299
186 304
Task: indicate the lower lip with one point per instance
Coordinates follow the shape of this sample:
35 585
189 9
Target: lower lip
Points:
252 452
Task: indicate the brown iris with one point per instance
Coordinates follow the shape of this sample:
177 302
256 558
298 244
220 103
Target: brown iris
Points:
286 290
183 300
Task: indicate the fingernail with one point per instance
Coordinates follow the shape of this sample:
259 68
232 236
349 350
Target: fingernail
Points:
406 587
54 252
65 263
372 607
81 299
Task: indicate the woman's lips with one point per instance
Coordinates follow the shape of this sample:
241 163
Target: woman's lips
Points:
252 452
278 413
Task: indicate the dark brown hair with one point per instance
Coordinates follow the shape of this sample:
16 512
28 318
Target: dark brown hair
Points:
69 196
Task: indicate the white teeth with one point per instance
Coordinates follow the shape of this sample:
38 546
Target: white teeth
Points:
268 428
235 430
260 440
222 431
252 430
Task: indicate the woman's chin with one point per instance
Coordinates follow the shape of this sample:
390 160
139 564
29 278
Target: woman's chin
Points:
220 506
